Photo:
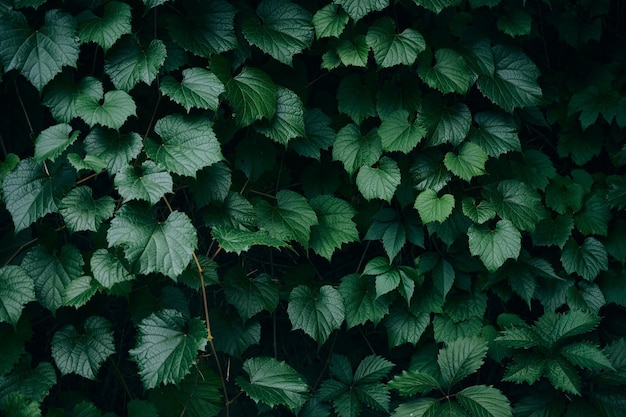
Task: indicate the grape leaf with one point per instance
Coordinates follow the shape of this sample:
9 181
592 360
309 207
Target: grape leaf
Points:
335 226
432 208
353 51
450 73
437 5
398 133
288 120
380 181
446 124
61 93
79 291
238 241
586 260
114 149
405 326
319 135
16 290
81 212
316 311
291 218
235 335
516 22
355 98
250 295
105 30
167 346
329 21
391 48
253 96
149 182
496 133
108 269
354 149
53 141
33 382
211 184
128 63
494 247
359 8
360 300
469 163
117 106
519 203
478 213
199 88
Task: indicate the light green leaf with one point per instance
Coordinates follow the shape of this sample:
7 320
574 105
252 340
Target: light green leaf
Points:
586 260
52 274
149 182
518 203
399 133
273 383
114 149
212 184
360 300
83 353
105 30
250 295
151 245
81 212
514 80
446 124
432 208
187 144
354 149
356 98
53 141
117 106
281 28
167 347
329 21
412 382
353 51
516 22
405 326
586 355
563 376
235 335
253 96
422 407
335 226
469 163
288 120
450 74
391 48
484 401
33 190
461 358
380 181
319 135
199 88
291 218
478 213
108 269
16 290
128 63
238 241
316 312
205 28
496 133
437 5
359 8
39 54
494 247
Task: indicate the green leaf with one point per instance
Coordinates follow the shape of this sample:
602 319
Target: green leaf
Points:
405 326
150 182
422 407
450 74
373 395
372 369
16 290
15 404
563 376
13 347
53 141
518 203
447 124
238 241
281 29
83 353
335 226
478 213
81 212
398 133
380 181
33 190
235 335
167 347
33 382
517 22
550 232
114 149
199 88
586 355
437 5
429 172
563 195
105 30
212 184
316 312
461 358
205 28
288 120
79 291
359 8
253 96
52 274
469 163
360 300
139 408
291 219
329 21
354 149
319 135
273 383
535 169
513 82
391 48
553 327
353 51
109 269
187 144
411 382
586 260
495 246
387 277
151 245
356 98
484 401
594 216
496 133
432 208
39 54
250 295
117 106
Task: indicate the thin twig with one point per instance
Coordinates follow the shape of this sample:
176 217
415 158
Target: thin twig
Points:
19 98
21 248
116 369
4 149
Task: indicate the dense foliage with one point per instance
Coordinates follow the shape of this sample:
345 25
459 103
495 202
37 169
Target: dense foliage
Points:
313 208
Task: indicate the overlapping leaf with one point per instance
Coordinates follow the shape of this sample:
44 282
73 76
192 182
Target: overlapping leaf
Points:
379 181
360 300
391 48
316 311
288 120
329 21
253 95
114 149
449 74
291 218
16 290
469 163
335 225
149 182
53 141
587 260
250 295
359 8
81 212
129 63
355 149
494 247
199 88
105 30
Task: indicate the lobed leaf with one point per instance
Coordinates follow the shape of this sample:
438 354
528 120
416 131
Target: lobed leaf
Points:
199 88
117 106
253 96
392 49
335 225
53 141
291 219
105 30
81 212
495 246
316 311
380 181
432 208
16 290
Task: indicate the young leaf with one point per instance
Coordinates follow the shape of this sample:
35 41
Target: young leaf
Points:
316 312
359 8
151 245
250 295
380 181
461 358
16 290
117 106
355 98
335 226
212 184
485 401
105 30
494 247
432 208
39 54
355 150
81 212
253 96
496 133
405 326
273 383
288 120
167 346
398 133
114 149
360 300
53 141
391 48
187 144
469 163
586 355
450 73
83 353
291 219
281 28
33 190
586 260
329 21
199 88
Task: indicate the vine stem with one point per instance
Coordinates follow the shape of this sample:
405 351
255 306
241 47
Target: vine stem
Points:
19 98
20 249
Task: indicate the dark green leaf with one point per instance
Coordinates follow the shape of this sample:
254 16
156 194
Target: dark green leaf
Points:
447 124
353 51
250 295
291 219
288 120
335 226
53 141
316 312
550 232
494 247
236 240
212 184
409 383
234 335
563 376
391 48
253 96
516 22
587 260
496 133
128 63
519 203
318 134
199 88
114 149
437 5
354 149
586 355
360 300
355 98
405 326
16 290
108 269
422 407
105 30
